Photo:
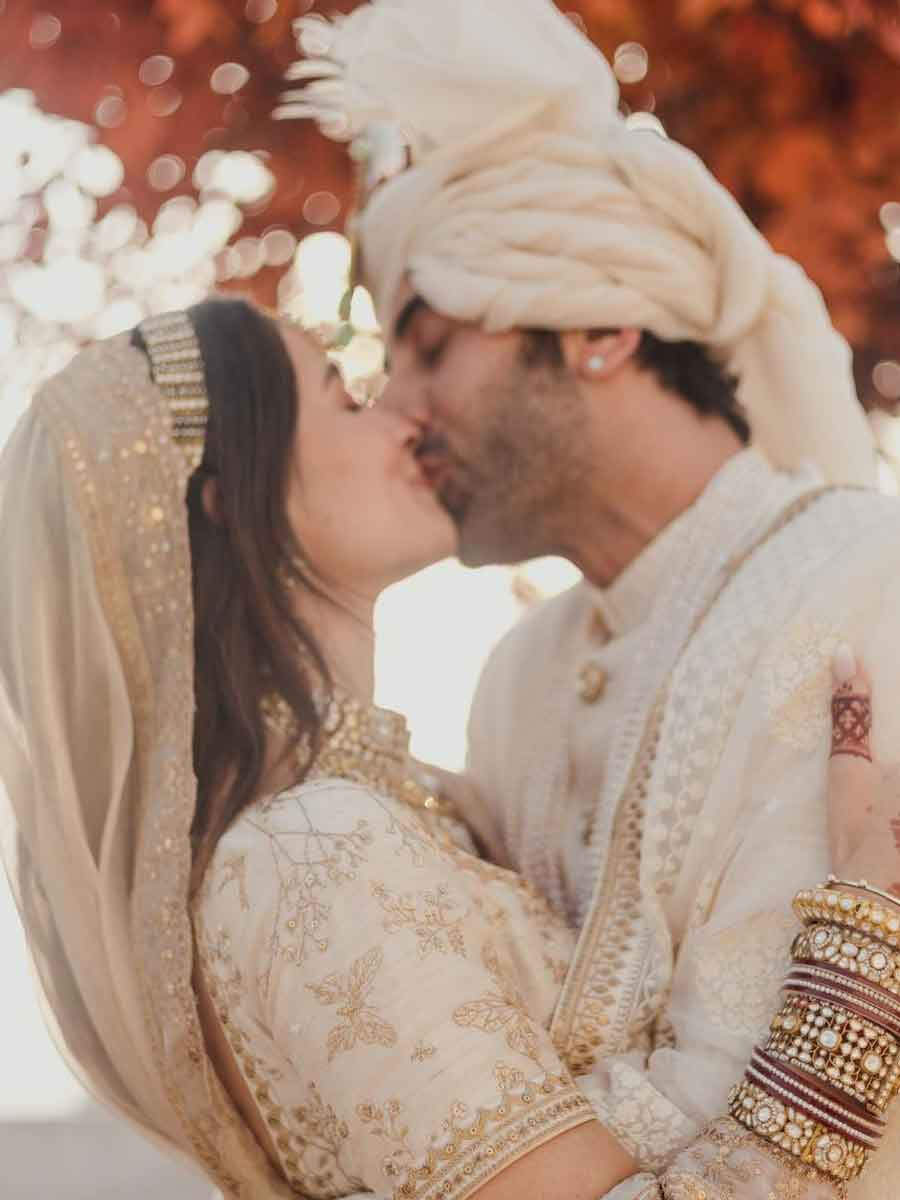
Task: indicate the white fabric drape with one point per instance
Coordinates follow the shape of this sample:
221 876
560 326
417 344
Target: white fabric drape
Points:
96 757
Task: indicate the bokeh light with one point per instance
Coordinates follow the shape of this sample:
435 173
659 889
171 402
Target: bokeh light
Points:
156 70
165 172
164 101
260 11
241 176
97 171
110 112
321 208
67 276
45 31
279 246
886 377
631 62
229 78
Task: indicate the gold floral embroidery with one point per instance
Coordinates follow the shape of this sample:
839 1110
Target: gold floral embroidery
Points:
417 833
788 1189
215 954
306 860
502 1009
613 933
720 1170
798 683
434 917
558 968
234 870
509 1079
422 1051
386 1121
742 972
727 1158
542 920
309 1139
320 1138
475 1147
361 1020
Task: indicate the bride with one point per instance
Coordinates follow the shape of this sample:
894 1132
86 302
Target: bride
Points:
260 931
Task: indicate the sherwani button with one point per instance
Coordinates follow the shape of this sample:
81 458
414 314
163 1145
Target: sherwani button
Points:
592 682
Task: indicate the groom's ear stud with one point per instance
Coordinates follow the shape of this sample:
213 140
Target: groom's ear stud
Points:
596 363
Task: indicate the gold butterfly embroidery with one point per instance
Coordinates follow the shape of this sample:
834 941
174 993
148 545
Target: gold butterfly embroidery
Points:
502 1009
361 1022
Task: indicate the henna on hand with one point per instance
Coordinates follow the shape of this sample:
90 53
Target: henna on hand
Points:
851 724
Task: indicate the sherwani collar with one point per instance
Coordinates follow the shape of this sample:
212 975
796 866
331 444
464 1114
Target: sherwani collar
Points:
628 601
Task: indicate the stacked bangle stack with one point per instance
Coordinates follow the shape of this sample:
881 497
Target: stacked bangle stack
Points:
820 1087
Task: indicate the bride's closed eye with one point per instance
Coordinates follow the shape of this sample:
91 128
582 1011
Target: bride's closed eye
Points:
332 375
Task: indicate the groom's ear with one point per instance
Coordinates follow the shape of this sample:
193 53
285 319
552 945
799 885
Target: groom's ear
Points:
598 354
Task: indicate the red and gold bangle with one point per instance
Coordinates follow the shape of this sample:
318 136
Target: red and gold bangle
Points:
806 1091
883 1002
789 1126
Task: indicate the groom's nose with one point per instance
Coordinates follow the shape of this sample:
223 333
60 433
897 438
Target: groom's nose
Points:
408 397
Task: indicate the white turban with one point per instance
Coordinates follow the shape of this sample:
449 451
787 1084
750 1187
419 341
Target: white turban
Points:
530 202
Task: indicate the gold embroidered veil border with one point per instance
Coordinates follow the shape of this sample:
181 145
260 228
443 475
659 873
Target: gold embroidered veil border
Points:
96 780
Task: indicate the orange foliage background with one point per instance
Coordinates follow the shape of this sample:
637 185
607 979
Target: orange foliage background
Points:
794 104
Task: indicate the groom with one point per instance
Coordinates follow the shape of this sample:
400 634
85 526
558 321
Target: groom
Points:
607 362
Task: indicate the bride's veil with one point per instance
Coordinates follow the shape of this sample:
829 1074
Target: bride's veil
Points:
96 780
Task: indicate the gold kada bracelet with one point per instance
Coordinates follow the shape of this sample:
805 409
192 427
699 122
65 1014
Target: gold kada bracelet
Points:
856 914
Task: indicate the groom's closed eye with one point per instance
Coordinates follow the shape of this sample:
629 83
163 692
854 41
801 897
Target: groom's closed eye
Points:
425 330
408 314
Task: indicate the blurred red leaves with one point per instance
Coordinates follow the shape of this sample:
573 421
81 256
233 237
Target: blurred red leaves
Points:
795 105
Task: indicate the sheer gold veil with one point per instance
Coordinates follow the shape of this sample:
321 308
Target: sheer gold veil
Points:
98 791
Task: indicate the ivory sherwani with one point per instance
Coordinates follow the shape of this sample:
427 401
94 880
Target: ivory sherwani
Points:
670 797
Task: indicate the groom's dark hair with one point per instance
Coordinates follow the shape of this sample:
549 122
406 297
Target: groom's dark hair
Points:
686 368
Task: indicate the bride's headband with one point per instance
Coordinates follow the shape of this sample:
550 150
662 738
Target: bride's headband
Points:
176 364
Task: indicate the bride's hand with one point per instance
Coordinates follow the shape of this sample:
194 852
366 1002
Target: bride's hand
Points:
863 817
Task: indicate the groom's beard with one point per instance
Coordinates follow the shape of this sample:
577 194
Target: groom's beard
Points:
509 493
487 496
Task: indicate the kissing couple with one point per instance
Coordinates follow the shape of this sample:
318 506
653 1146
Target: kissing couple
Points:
647 946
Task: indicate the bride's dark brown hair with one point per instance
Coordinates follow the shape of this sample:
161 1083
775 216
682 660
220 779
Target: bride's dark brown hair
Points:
246 564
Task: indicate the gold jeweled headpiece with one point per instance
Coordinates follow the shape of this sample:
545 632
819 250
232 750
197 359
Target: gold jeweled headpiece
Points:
176 364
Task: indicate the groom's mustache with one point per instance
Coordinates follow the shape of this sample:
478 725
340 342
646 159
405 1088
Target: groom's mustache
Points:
432 446
442 468
434 456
